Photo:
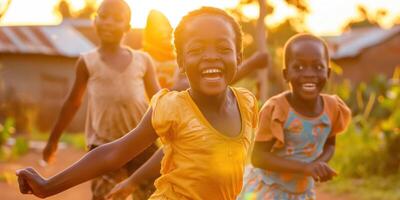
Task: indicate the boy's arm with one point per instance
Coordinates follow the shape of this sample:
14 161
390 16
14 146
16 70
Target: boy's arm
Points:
150 170
71 105
150 78
325 157
258 60
329 150
102 159
263 158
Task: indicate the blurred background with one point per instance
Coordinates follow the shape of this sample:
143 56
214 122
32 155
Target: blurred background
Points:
40 41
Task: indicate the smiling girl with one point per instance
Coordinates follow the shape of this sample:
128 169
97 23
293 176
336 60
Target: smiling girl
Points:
207 130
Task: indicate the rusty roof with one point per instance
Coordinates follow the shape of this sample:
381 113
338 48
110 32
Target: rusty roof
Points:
61 40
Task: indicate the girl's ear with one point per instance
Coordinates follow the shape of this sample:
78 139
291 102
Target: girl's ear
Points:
284 74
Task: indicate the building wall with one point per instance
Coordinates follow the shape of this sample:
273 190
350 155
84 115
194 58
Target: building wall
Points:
380 59
34 87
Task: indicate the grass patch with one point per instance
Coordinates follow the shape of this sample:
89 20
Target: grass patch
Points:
371 188
76 140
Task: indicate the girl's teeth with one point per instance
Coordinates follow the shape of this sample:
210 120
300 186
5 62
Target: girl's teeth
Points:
309 86
212 74
211 71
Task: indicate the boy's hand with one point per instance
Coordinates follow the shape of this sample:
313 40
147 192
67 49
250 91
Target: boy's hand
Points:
49 152
320 171
121 190
30 182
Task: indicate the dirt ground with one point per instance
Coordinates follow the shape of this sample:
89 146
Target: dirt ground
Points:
65 157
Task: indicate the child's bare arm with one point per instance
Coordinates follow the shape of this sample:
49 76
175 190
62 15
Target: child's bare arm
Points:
150 79
329 150
258 60
105 158
325 157
148 171
71 105
263 158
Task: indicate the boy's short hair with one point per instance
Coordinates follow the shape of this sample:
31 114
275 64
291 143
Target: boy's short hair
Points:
121 2
178 33
299 37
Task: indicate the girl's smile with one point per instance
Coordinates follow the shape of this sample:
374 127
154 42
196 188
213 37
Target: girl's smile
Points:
209 55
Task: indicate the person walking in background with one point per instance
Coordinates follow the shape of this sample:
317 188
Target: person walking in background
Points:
119 82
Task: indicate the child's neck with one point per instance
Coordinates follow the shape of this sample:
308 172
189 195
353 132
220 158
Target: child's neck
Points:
216 102
309 108
110 47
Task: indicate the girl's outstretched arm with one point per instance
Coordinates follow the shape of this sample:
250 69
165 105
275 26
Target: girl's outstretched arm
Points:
105 158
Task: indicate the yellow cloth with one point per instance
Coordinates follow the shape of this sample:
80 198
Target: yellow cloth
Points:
157 41
200 163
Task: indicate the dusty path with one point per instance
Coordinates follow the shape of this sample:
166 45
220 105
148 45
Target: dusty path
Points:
66 157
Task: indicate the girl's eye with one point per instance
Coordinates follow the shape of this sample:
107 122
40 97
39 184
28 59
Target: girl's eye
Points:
320 67
225 49
194 51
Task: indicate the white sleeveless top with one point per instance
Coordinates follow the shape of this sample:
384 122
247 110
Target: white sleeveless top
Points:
116 100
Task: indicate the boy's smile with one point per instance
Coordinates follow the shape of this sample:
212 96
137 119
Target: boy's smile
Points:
307 69
209 55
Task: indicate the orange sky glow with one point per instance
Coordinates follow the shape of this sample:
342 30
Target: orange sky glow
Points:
326 18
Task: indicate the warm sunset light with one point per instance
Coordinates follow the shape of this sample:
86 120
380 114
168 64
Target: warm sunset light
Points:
326 17
200 99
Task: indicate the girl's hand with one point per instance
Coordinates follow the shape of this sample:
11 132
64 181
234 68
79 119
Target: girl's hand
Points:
320 171
30 182
121 190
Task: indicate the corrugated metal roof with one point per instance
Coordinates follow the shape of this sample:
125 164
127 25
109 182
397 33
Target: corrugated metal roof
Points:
61 40
352 43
